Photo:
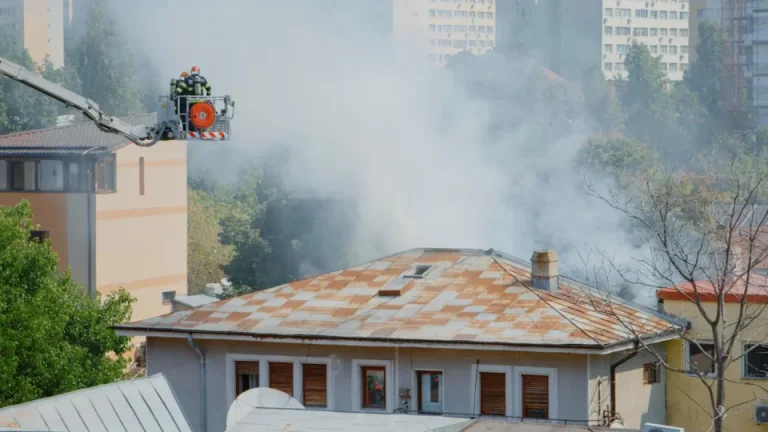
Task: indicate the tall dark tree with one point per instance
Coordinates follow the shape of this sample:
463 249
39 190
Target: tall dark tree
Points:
704 75
53 337
21 108
106 66
601 101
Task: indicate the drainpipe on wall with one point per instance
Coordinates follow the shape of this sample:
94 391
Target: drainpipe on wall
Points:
613 377
203 396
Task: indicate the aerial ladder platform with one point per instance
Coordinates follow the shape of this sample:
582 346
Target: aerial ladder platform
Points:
190 118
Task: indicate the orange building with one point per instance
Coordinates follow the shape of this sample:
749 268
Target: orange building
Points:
115 213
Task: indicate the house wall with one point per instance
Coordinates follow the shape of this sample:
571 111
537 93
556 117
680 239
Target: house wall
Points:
688 401
141 240
50 211
180 364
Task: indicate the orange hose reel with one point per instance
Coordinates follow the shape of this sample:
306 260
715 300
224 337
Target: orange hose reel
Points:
202 115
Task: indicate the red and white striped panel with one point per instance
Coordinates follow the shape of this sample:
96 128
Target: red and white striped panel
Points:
207 135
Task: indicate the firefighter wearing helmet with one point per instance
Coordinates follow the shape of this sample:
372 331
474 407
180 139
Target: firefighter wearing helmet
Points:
197 86
180 92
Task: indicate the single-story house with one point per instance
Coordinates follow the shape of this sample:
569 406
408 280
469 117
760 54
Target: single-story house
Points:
441 331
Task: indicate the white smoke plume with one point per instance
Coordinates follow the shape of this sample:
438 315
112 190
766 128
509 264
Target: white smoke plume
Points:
366 117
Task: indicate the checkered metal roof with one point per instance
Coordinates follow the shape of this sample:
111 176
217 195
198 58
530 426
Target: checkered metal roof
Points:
467 296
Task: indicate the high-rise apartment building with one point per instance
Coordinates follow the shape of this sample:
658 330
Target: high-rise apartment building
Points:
570 37
702 10
38 25
449 26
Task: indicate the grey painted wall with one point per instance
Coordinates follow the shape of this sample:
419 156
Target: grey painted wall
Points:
77 236
179 363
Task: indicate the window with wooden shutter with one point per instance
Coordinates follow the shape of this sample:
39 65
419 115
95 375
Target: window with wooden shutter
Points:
493 393
315 385
281 377
246 376
536 396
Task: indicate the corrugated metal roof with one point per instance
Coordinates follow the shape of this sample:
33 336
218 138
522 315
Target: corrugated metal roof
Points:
84 135
140 404
484 425
468 296
274 420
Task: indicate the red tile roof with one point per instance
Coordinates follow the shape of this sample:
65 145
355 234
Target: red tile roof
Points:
468 296
79 136
756 291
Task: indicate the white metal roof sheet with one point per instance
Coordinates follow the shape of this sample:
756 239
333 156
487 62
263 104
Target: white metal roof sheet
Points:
147 404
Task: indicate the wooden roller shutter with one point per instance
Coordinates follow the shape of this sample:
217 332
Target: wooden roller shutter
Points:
314 378
493 394
247 376
281 377
536 396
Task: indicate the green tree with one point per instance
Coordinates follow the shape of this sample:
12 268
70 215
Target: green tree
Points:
206 255
644 96
21 108
54 338
106 67
601 101
703 77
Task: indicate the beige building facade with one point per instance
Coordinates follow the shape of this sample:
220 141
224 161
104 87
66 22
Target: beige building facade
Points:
116 213
449 26
38 24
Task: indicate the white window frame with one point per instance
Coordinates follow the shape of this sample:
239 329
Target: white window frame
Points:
298 382
744 362
687 354
389 385
416 385
553 397
475 386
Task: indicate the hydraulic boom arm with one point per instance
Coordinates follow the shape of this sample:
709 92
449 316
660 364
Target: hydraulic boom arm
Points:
140 135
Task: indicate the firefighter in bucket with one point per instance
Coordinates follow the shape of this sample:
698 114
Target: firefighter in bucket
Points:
202 114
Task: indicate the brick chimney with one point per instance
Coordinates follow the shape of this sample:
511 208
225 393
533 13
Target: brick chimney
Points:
544 273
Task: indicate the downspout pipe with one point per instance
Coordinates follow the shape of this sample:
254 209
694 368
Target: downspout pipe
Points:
203 396
615 366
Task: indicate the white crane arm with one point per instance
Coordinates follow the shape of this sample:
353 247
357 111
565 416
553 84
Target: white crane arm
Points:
141 135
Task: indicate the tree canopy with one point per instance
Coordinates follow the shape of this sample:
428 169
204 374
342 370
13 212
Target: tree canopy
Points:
54 338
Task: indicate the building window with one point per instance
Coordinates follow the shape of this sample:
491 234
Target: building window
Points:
23 175
622 31
654 32
314 379
672 32
620 67
624 13
654 49
373 379
664 32
683 32
622 48
664 49
755 361
699 358
141 176
432 12
460 29
442 13
608 13
444 42
608 30
281 377
640 31
445 28
608 67
168 297
650 373
75 182
683 67
654 14
608 48
459 44
641 13
663 15
246 376
481 43
473 29
489 15
673 49
489 29
481 14
684 15
664 67
429 392
50 175
535 396
460 14
683 49
3 175
432 28
673 15
493 393
473 43
105 175
39 236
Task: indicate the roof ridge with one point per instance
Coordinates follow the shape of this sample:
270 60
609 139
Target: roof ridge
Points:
70 126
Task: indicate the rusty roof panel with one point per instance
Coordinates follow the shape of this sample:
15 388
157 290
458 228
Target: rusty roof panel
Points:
474 296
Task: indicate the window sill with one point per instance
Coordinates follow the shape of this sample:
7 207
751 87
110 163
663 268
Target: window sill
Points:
749 378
